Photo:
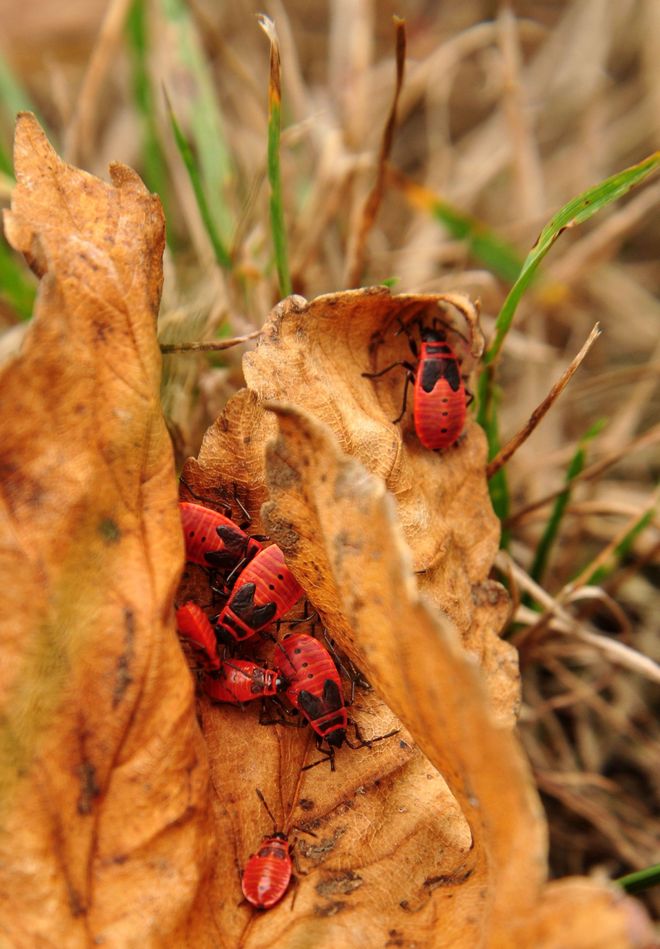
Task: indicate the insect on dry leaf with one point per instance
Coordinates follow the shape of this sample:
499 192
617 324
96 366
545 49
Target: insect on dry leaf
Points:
112 830
399 578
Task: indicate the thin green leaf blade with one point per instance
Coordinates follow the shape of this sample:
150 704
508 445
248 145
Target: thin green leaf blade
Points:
551 531
274 176
640 880
215 166
17 289
577 211
621 549
194 174
484 245
155 165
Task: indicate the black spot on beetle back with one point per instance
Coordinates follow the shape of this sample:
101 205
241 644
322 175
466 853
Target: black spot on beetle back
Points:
435 369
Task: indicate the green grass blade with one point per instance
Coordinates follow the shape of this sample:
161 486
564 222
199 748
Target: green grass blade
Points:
13 96
155 165
488 397
16 287
274 176
498 484
549 535
221 253
206 125
13 99
576 212
621 549
640 879
6 168
484 245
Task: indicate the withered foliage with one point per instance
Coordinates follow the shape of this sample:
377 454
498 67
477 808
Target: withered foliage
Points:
127 812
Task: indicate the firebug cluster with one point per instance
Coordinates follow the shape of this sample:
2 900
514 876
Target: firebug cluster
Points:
257 590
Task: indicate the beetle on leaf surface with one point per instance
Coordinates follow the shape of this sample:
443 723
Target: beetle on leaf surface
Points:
440 398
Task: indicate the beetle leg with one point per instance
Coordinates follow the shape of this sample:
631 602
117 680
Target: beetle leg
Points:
205 501
281 720
238 501
399 362
352 673
329 756
452 329
469 397
410 377
367 742
231 577
306 617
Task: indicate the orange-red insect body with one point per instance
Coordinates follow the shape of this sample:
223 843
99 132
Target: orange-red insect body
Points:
263 593
440 398
439 405
268 872
194 625
240 680
213 540
313 685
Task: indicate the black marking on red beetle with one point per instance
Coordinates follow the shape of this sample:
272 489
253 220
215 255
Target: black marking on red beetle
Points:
435 369
330 701
242 605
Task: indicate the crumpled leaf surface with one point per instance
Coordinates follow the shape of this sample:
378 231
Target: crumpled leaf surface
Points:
112 832
460 863
313 355
104 807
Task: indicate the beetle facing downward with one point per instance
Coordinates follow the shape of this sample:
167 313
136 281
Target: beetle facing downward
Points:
440 399
267 873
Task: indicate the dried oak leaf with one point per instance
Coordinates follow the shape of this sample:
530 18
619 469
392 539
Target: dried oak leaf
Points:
104 808
313 355
346 524
398 858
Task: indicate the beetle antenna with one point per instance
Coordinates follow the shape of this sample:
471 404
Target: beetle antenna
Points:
268 810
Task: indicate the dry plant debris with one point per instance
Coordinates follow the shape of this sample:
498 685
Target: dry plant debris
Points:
123 819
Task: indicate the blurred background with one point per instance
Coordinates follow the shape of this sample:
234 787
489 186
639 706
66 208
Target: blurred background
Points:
508 111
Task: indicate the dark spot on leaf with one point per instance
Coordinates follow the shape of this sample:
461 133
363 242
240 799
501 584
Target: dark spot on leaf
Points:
89 789
109 530
17 488
76 904
396 938
306 804
123 677
318 850
101 330
331 909
446 879
341 883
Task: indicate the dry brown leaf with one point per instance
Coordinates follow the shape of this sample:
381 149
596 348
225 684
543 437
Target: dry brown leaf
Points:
400 859
104 776
110 832
413 658
312 355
